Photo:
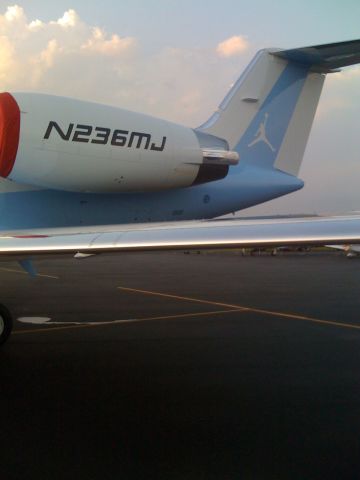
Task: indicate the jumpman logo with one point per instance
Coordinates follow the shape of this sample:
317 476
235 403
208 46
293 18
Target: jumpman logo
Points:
260 135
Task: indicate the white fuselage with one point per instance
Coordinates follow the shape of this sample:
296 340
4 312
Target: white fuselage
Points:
71 145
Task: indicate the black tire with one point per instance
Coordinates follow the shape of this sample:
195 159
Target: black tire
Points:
6 324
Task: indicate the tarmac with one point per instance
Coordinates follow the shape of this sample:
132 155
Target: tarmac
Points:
182 366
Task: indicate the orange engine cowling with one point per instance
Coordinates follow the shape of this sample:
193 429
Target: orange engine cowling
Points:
9 132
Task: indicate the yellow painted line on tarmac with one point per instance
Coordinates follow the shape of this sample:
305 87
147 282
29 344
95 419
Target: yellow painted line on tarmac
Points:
13 270
295 316
52 328
189 299
292 316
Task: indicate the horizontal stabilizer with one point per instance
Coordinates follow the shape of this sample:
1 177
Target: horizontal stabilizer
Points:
326 57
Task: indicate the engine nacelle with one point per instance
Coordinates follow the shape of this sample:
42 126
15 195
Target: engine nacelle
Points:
65 144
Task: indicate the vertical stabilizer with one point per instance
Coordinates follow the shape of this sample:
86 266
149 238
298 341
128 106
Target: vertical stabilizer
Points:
267 115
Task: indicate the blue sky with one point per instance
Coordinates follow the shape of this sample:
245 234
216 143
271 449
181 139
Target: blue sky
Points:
161 57
284 23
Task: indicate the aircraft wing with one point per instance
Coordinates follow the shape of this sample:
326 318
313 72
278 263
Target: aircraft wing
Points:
209 234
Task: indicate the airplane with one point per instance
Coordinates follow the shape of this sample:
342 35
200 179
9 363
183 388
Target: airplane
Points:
79 177
351 251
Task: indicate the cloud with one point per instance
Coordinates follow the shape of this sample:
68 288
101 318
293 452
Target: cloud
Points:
13 23
98 43
340 93
6 54
43 56
345 75
13 13
232 46
66 56
68 20
35 24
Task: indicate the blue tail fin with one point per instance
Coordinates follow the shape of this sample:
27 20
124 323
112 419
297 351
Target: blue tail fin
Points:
267 115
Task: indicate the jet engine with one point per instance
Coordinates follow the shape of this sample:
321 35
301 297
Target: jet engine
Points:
66 144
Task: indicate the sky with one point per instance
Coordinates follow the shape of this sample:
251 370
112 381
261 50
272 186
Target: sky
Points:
176 59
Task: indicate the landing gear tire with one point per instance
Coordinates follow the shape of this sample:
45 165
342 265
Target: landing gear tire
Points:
6 324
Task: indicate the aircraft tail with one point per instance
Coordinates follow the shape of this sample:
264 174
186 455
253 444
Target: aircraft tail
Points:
267 115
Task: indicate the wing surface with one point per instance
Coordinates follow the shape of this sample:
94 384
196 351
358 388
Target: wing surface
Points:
210 234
